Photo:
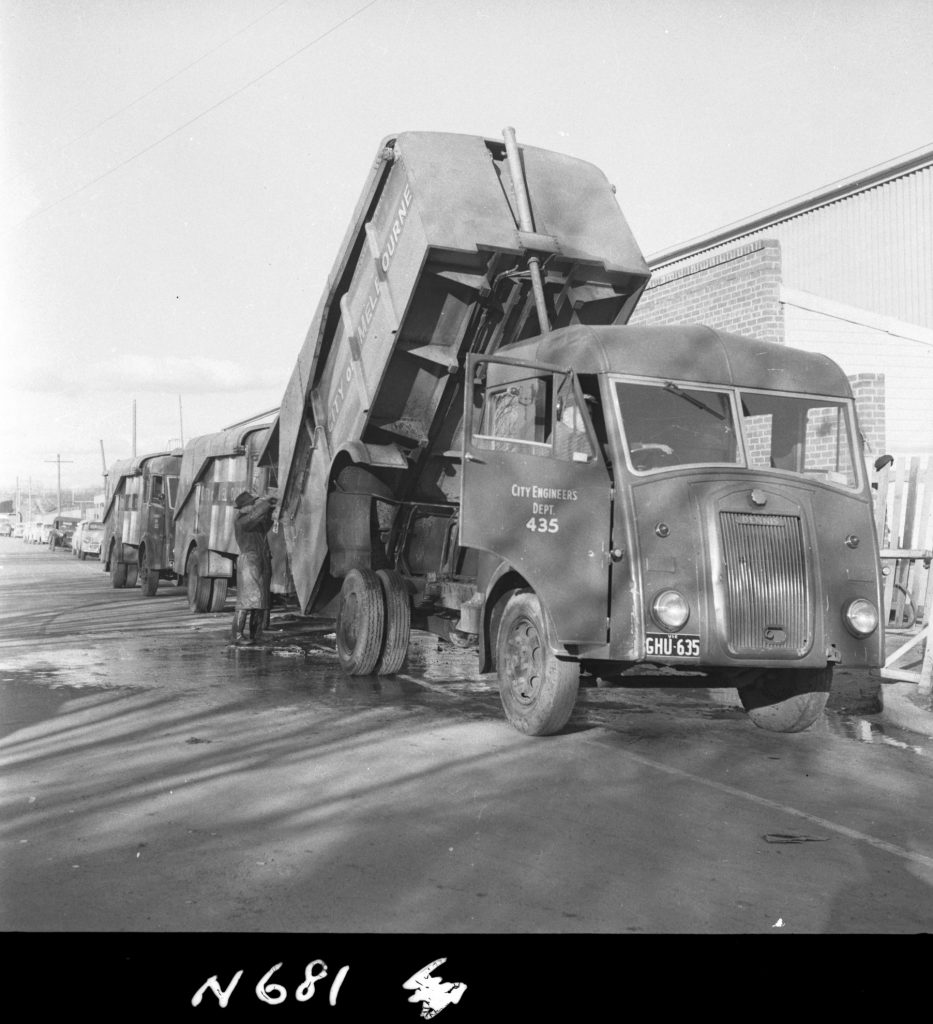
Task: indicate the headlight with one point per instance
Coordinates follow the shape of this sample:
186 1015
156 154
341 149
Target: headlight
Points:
860 617
670 609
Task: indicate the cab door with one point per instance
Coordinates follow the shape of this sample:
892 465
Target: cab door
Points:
535 489
154 511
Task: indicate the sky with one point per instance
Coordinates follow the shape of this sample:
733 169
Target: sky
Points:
177 177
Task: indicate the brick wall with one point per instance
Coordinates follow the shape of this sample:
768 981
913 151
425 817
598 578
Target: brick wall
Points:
868 389
736 290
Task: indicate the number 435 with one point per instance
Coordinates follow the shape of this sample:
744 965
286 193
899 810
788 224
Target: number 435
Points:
538 524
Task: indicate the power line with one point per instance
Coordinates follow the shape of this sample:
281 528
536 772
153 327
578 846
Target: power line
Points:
197 117
155 88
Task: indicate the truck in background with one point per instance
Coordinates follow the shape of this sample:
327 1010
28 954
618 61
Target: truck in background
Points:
474 443
215 468
138 539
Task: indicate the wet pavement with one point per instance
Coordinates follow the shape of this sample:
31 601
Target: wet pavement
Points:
161 779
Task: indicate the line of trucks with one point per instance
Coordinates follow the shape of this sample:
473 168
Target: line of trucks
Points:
474 442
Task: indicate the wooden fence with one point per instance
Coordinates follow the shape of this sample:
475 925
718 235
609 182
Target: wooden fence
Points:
904 521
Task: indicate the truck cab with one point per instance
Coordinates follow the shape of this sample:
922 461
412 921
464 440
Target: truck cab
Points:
676 496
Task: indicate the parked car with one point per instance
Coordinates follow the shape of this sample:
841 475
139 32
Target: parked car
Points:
6 529
41 533
61 531
19 530
88 543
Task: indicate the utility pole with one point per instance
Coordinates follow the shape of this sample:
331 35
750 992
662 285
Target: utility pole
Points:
134 428
103 460
59 460
181 424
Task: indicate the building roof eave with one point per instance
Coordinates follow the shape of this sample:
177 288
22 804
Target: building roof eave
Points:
901 166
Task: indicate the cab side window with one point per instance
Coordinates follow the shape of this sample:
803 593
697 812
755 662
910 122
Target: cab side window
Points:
518 411
154 489
538 414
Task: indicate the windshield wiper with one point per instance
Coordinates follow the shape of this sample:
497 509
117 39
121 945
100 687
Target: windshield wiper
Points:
674 390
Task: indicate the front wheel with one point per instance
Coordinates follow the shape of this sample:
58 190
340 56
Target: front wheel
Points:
786 700
360 622
148 577
538 690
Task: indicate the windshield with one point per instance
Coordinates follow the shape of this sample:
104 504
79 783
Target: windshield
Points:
669 425
800 434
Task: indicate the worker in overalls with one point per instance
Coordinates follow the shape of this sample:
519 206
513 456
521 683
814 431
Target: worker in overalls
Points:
253 520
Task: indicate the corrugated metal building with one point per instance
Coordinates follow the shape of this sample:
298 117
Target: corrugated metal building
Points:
846 270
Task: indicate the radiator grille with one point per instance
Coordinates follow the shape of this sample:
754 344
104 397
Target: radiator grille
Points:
767 605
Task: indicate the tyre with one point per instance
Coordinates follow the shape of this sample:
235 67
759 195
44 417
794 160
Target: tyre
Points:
360 622
82 555
148 579
199 587
218 595
397 624
786 700
538 690
117 574
117 571
132 574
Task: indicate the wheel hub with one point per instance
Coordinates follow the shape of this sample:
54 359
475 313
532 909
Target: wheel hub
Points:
525 660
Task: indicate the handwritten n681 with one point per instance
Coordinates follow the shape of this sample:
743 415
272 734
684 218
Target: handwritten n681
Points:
272 993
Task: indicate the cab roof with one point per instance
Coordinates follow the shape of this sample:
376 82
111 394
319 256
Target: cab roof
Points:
201 451
690 352
123 468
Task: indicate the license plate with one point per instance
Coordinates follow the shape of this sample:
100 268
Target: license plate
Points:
669 645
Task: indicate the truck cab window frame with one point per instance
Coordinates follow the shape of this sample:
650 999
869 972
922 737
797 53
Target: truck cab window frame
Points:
531 410
669 424
812 437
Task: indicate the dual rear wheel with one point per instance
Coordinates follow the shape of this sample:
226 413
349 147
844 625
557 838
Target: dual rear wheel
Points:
373 622
205 594
122 574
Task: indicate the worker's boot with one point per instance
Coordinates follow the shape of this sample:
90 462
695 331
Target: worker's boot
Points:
240 622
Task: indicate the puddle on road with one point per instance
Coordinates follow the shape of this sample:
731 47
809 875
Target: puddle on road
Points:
874 731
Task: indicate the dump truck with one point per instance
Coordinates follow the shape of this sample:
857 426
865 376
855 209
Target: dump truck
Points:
215 468
138 539
475 442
